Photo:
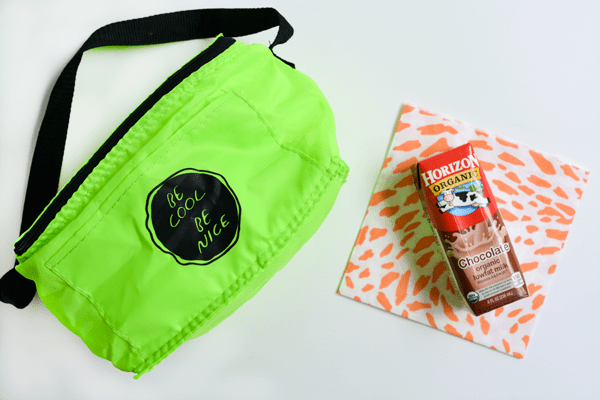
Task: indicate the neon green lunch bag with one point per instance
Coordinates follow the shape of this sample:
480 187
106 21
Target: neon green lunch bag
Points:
193 203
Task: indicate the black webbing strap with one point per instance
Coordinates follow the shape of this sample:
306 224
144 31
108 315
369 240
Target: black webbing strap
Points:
47 159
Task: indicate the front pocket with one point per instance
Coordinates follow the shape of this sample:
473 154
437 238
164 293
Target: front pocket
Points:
146 287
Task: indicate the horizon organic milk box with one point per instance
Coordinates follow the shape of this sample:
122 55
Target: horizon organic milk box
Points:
469 228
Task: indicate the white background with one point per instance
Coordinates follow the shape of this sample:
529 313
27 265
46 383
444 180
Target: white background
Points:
528 70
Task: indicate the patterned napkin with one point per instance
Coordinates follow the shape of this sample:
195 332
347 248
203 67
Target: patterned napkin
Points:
395 264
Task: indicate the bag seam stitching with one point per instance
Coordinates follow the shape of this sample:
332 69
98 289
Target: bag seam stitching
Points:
99 310
276 140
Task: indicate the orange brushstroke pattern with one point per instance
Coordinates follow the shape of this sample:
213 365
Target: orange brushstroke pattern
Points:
424 243
438 271
509 158
381 196
404 219
538 199
386 162
434 295
376 233
480 144
431 320
487 166
383 300
424 259
546 166
389 211
402 288
388 279
362 234
438 147
526 267
436 129
406 239
452 330
417 305
470 320
406 181
389 265
351 267
504 187
448 310
569 172
408 145
421 284
485 325
514 313
405 165
387 250
506 143
513 177
537 181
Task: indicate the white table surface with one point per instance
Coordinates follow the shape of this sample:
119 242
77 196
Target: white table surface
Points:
528 70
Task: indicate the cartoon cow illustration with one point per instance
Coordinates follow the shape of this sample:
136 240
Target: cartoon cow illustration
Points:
452 199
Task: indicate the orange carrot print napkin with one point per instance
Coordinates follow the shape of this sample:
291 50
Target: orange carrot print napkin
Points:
395 264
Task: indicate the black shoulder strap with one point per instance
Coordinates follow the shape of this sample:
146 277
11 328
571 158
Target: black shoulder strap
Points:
47 159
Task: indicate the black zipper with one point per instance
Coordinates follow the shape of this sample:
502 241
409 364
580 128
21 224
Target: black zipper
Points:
210 53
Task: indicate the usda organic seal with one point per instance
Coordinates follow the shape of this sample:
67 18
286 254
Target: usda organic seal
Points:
472 297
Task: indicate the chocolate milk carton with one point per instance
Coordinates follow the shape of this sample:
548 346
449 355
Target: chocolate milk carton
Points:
469 229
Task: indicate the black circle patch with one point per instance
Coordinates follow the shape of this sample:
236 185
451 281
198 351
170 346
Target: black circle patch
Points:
194 216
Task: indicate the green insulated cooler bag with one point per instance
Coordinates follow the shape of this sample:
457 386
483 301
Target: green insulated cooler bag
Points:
193 203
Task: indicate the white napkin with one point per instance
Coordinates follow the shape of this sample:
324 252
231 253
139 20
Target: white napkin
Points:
395 264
